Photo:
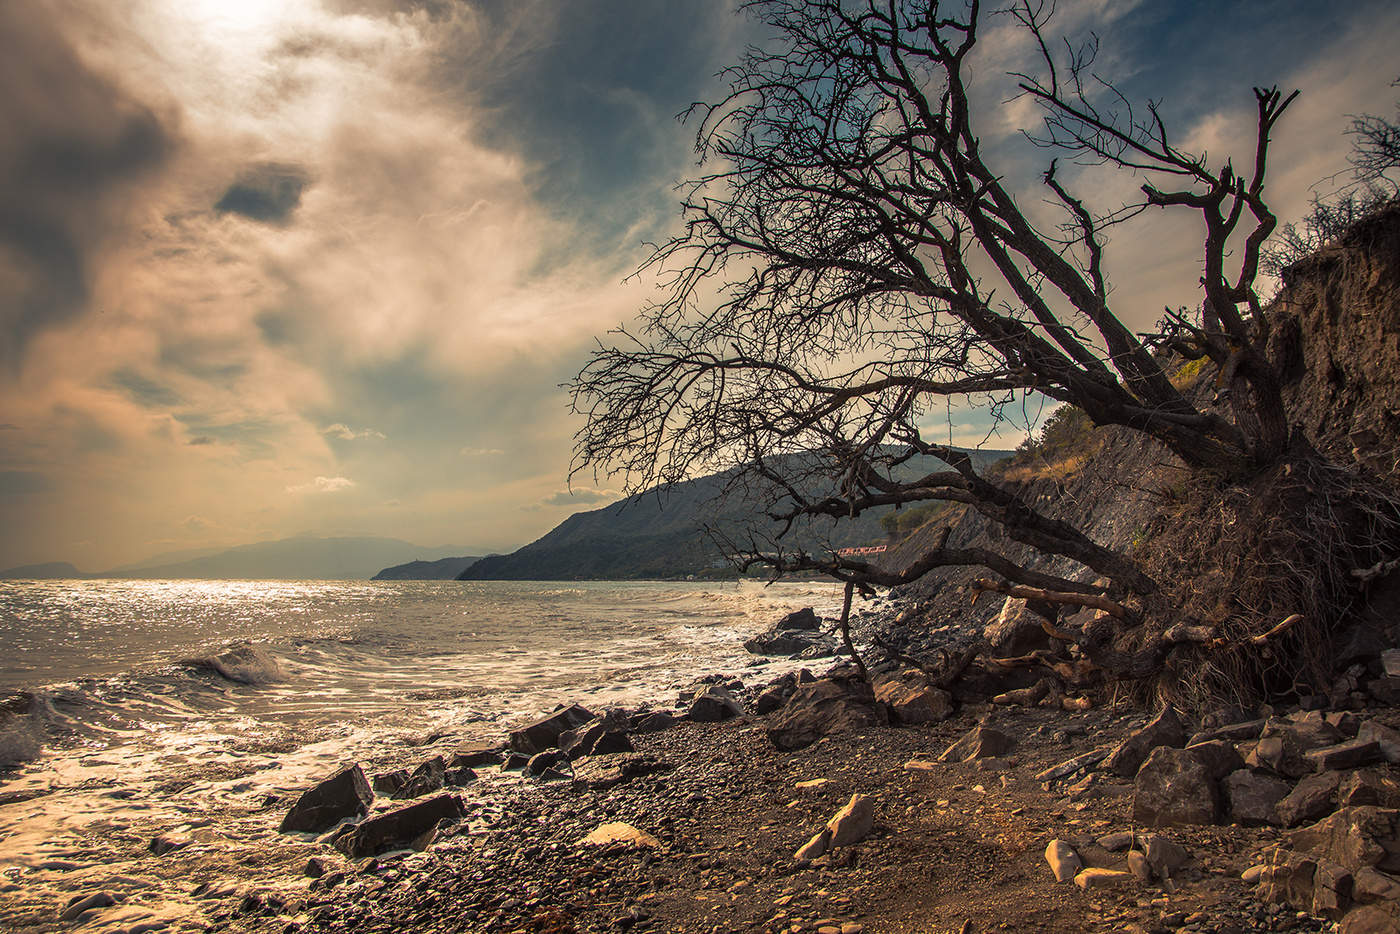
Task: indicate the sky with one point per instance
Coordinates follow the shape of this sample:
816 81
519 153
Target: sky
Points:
280 267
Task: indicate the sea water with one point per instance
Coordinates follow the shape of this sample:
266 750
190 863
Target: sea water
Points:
115 726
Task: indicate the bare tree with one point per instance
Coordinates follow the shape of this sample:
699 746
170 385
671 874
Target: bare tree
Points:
852 258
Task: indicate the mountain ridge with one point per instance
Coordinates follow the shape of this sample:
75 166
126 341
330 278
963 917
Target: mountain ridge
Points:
661 533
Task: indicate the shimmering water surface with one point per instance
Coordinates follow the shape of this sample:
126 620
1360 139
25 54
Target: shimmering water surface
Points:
106 726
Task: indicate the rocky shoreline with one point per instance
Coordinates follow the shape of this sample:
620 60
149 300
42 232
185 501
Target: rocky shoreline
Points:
817 803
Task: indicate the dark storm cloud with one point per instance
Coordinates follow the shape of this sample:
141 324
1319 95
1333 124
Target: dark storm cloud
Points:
268 193
591 102
144 391
73 142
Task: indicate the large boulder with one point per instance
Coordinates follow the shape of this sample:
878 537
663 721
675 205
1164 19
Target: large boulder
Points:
1017 630
408 827
830 705
544 733
1353 837
911 699
1313 798
1253 797
1174 787
343 796
1165 729
804 619
714 704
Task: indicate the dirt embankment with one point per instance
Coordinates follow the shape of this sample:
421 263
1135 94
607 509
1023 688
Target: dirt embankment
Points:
1336 338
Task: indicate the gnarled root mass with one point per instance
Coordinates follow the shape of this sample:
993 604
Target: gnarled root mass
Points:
1260 599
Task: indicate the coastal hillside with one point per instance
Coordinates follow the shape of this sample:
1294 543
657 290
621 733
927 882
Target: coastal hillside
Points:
50 570
301 558
443 569
662 534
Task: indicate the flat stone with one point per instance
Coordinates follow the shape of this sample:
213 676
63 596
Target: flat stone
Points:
544 733
1349 755
411 826
1102 879
713 705
619 832
475 755
1118 840
1388 739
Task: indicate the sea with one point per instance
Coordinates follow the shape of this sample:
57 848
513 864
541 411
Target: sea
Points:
122 717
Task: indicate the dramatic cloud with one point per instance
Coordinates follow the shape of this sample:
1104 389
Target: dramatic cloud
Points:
235 236
74 146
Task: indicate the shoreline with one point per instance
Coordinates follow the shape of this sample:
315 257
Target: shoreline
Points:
955 846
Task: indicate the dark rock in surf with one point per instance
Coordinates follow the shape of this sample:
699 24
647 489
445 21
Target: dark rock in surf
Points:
427 778
389 783
544 733
804 619
459 776
544 761
344 795
408 827
475 755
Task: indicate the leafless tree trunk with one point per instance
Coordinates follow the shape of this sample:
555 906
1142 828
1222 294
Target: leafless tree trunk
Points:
852 258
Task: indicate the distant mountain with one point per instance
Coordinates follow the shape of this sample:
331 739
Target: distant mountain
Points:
302 558
661 534
444 569
50 570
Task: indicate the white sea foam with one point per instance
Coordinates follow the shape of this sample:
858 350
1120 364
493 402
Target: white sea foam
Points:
119 742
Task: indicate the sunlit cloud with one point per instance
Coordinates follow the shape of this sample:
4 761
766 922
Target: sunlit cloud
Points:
342 432
581 497
323 485
480 452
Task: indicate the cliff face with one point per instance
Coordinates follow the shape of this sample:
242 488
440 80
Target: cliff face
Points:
1336 336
